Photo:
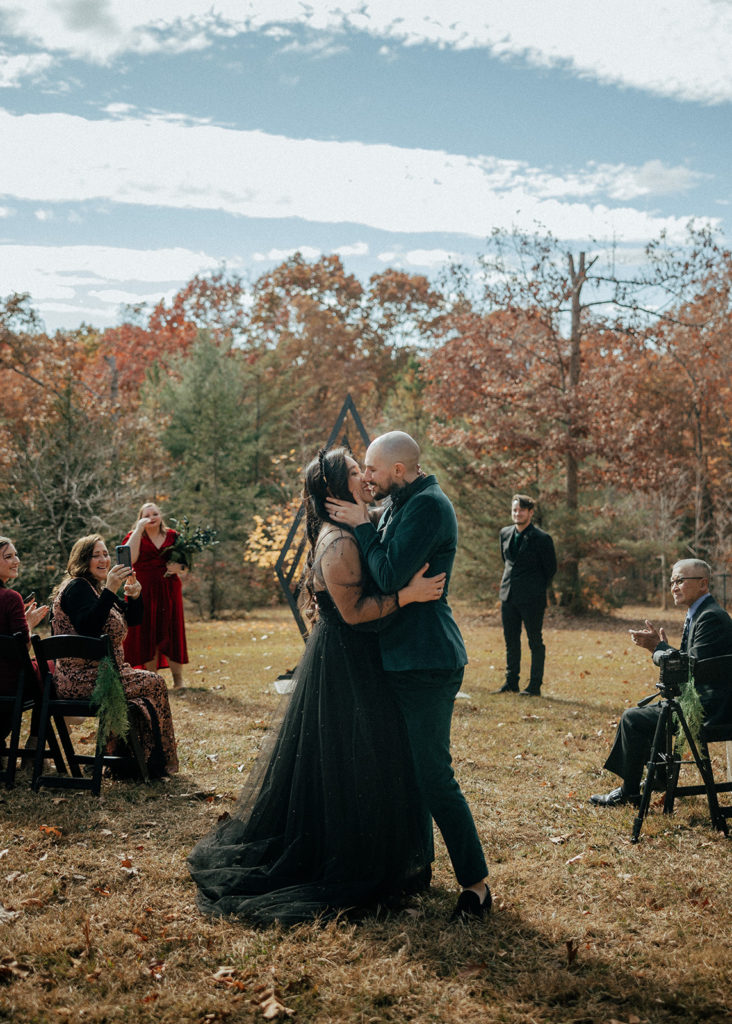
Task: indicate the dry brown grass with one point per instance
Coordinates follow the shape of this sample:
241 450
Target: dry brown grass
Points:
587 927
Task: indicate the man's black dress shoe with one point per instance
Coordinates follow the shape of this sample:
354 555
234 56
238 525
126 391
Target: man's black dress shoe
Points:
509 688
615 798
531 691
469 906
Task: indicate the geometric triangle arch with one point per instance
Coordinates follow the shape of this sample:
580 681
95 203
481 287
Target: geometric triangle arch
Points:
290 563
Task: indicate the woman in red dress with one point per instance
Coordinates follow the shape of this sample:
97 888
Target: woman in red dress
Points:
160 640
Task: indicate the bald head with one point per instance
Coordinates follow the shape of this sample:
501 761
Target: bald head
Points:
392 461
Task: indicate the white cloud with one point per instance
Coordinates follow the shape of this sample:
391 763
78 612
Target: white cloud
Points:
117 297
14 70
429 257
358 249
667 47
64 158
49 272
280 255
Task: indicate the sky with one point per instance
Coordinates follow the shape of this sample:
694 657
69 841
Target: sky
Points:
142 143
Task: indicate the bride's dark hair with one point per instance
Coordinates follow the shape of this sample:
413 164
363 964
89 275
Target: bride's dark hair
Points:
325 477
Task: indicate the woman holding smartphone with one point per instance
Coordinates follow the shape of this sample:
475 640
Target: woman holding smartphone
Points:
159 640
86 602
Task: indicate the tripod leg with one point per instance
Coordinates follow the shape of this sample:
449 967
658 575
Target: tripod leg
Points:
659 736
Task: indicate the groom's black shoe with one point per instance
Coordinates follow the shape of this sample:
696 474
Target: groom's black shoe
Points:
469 905
509 688
615 798
531 691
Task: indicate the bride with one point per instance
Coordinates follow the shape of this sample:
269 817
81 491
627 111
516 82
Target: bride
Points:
331 818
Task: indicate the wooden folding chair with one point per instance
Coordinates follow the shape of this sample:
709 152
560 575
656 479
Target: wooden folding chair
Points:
94 649
24 695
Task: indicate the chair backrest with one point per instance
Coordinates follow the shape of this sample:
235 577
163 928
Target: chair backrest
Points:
68 645
713 682
14 651
713 671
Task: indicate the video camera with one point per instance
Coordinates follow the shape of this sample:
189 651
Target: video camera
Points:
674 669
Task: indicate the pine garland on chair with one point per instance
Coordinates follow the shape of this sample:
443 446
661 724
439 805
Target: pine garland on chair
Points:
110 698
693 713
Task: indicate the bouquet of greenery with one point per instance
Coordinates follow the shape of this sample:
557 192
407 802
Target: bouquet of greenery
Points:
188 542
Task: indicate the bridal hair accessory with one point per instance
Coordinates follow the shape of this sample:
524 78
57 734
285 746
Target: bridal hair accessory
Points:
321 461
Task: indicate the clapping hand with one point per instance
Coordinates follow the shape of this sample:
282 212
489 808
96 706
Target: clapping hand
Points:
133 587
35 613
650 637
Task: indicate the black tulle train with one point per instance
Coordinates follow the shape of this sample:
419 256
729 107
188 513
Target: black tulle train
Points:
330 819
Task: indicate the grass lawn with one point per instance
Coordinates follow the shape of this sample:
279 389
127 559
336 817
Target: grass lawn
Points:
98 922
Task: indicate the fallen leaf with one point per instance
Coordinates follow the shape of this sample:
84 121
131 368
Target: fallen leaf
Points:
51 830
7 915
471 970
573 859
10 968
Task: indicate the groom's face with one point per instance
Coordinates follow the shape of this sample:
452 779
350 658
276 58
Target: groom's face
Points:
379 474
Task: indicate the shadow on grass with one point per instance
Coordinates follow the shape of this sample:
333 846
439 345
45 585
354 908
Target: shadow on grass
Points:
521 973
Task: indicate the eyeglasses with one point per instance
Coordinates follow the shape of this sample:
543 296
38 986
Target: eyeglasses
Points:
683 579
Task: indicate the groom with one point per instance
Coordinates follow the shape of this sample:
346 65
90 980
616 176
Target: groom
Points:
421 648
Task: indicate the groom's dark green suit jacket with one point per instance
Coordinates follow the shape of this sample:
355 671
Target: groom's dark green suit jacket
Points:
419 526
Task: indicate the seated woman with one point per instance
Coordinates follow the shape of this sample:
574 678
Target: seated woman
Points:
86 603
15 617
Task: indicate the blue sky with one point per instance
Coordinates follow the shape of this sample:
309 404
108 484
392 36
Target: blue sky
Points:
142 143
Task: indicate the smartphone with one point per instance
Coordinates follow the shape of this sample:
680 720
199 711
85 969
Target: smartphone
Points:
29 598
123 555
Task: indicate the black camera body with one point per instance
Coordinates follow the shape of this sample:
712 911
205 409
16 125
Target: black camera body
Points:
673 671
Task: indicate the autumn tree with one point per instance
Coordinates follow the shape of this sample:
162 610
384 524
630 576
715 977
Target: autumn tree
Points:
211 439
539 371
69 449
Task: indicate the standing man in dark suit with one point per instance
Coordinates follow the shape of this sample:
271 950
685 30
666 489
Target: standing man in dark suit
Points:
423 653
707 634
529 564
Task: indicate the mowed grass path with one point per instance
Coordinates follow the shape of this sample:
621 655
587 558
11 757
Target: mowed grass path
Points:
99 921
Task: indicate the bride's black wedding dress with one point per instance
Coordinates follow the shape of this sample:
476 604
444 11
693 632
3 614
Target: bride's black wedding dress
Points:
331 819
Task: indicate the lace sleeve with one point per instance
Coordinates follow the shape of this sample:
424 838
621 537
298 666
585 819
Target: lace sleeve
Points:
341 570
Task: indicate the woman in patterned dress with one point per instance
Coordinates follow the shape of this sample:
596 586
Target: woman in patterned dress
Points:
86 603
159 640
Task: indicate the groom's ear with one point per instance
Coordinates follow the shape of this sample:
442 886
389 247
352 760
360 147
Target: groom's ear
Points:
398 470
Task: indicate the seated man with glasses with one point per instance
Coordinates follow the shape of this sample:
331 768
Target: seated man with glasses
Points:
707 634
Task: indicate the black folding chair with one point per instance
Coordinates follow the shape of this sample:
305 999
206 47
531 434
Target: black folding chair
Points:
713 682
24 695
89 648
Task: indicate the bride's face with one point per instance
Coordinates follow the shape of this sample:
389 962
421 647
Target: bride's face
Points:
356 484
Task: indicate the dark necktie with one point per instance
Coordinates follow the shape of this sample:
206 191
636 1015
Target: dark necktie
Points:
685 634
513 544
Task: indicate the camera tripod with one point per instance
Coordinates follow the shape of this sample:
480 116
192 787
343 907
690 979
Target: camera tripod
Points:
663 756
